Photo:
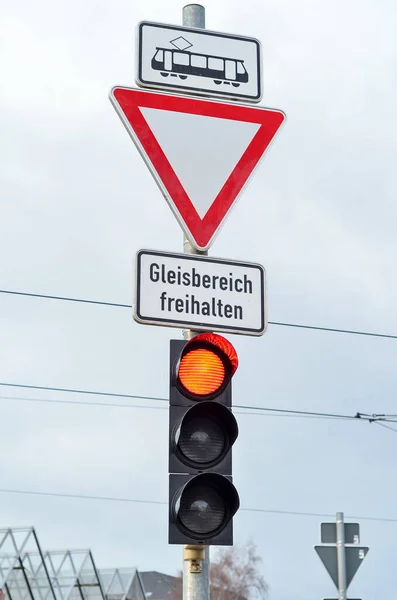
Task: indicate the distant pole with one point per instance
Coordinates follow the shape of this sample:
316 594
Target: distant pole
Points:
340 555
196 563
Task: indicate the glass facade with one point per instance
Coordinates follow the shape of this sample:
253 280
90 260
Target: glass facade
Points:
29 573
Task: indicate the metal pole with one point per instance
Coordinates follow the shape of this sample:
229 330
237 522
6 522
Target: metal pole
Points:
195 573
340 555
196 562
193 15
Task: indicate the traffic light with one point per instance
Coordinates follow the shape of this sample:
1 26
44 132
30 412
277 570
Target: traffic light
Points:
202 431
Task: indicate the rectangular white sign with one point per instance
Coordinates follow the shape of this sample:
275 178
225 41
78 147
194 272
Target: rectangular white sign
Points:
206 294
199 61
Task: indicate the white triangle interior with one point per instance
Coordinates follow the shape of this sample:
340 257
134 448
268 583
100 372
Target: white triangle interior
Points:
203 151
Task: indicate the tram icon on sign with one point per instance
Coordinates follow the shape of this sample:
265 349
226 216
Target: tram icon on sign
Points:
182 63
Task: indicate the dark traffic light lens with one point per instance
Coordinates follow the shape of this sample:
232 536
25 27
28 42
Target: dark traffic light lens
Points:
201 440
201 509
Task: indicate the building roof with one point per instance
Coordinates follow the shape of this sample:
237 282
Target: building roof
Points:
158 586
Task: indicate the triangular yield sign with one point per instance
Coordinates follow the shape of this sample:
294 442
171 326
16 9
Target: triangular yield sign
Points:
200 152
354 556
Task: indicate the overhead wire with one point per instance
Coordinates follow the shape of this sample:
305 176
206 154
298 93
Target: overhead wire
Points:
82 402
261 409
164 503
279 412
77 391
275 323
247 410
386 426
375 418
65 298
144 406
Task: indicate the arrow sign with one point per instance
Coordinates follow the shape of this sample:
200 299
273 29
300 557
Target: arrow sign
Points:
354 557
201 153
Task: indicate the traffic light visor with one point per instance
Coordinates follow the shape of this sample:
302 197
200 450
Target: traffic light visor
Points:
207 364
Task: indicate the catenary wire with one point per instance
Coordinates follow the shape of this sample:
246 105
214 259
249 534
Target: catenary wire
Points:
74 391
164 503
148 407
358 416
275 323
65 298
386 426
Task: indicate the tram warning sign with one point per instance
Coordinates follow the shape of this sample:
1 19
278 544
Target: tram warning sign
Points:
201 152
198 61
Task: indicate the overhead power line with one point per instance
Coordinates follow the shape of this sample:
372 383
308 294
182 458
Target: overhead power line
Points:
148 407
278 412
85 403
164 503
65 298
387 426
275 323
259 409
75 391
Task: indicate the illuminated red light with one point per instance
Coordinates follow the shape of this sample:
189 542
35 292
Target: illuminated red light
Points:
207 364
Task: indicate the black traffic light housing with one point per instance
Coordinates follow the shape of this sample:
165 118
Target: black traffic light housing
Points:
202 431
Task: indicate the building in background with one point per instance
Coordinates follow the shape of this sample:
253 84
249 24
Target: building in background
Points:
29 573
159 586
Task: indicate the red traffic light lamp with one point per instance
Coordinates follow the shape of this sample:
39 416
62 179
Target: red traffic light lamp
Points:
206 366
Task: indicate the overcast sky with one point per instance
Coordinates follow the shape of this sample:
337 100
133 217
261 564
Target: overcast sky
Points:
77 202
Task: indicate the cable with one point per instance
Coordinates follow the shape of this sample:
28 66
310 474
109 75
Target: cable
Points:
335 330
358 416
265 414
276 323
163 503
65 298
386 426
310 514
299 412
80 496
72 391
375 418
144 406
86 403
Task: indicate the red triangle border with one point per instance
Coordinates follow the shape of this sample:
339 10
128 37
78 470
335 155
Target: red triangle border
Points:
201 232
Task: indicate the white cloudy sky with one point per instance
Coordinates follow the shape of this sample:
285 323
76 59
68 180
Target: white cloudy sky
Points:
77 202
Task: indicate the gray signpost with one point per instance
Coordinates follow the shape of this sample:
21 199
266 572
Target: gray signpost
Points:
196 559
342 557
